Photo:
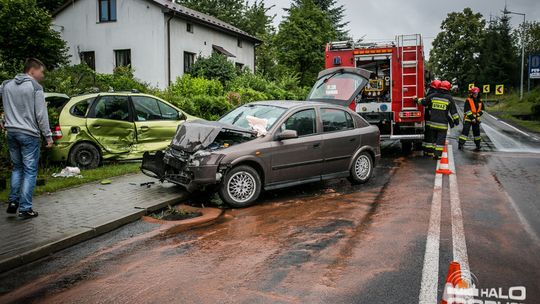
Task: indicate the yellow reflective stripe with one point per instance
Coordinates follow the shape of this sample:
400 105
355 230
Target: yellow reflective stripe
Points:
438 127
439 148
456 116
468 113
463 137
478 138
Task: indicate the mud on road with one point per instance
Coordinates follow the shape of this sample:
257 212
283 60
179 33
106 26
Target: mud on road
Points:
323 242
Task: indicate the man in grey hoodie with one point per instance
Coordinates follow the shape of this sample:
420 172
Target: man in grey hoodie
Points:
26 120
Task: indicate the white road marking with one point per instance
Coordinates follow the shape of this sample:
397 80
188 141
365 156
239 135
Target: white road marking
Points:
458 232
509 125
430 270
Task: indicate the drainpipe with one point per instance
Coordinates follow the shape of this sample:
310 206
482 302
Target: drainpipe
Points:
169 49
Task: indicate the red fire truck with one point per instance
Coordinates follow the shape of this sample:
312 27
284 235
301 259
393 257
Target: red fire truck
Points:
397 74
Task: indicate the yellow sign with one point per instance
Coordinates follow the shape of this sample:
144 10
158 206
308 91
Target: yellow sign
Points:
471 85
499 89
485 88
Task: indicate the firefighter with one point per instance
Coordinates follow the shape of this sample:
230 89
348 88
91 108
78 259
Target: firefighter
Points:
471 117
427 145
443 113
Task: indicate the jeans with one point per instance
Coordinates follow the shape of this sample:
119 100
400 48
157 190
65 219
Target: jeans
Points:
24 152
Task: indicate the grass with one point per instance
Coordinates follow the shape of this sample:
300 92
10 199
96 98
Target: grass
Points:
53 184
513 110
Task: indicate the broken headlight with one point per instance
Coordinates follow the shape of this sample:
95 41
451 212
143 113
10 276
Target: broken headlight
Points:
205 158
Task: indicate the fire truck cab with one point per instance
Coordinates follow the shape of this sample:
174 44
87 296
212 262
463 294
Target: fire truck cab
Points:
397 75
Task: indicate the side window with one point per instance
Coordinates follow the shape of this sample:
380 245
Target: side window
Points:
168 112
146 108
112 107
303 122
336 120
81 108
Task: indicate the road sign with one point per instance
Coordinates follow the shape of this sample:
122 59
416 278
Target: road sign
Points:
471 85
499 89
485 88
534 66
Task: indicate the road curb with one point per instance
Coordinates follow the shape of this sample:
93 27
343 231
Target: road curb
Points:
84 234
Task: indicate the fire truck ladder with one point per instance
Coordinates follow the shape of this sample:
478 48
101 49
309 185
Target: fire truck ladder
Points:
404 44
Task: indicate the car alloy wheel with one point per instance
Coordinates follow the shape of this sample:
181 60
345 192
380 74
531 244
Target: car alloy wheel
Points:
241 186
362 167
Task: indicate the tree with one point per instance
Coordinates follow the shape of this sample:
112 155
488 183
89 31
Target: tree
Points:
335 13
25 31
50 5
230 11
530 31
498 60
301 39
216 66
456 48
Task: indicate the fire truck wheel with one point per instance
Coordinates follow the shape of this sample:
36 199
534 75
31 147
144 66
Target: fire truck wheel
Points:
406 147
417 146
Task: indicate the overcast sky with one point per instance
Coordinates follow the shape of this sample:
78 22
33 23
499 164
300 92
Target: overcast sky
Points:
383 19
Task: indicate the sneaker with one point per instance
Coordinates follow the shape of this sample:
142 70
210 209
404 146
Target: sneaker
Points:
12 207
28 214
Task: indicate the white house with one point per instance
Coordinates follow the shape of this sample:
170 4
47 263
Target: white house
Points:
158 38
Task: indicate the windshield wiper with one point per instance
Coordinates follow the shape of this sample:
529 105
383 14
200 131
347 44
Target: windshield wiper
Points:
329 77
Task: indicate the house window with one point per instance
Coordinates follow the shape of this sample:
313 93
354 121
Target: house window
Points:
239 42
189 27
239 66
189 59
122 57
107 10
89 58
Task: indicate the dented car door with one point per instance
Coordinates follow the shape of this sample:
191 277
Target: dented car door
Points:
110 123
155 123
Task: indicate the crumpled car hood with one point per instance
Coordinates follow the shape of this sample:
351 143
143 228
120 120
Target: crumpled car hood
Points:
198 134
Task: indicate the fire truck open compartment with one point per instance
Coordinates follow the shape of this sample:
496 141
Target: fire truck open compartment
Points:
397 75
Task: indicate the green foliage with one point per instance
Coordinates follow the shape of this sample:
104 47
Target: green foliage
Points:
335 13
50 5
301 39
27 31
498 60
216 67
210 107
456 46
230 11
189 86
530 32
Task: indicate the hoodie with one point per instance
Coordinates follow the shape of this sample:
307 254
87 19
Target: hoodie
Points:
25 110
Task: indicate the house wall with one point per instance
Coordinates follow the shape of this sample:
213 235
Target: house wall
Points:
141 27
200 42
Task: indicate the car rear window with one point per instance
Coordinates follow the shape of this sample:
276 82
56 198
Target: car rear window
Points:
80 109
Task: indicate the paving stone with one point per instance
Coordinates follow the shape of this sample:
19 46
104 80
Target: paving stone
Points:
73 215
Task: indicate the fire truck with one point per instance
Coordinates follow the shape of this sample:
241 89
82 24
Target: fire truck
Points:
397 75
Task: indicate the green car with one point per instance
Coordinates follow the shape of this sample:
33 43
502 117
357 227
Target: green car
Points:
119 125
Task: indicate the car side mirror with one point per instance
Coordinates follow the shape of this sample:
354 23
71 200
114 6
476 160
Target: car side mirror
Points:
287 134
181 116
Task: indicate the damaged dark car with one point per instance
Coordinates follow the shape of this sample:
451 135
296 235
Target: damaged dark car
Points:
268 145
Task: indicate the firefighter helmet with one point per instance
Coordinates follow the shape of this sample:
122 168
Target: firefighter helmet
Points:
474 90
446 85
435 83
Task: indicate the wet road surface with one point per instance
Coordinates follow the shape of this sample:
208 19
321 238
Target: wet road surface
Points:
320 243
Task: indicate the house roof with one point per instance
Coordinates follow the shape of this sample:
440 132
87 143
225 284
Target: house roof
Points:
181 11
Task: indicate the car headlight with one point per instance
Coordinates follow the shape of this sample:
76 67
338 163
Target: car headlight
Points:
204 158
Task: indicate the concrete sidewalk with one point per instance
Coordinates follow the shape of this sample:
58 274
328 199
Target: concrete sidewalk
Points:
74 215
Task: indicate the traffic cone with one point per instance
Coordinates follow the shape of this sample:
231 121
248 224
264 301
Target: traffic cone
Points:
443 167
453 280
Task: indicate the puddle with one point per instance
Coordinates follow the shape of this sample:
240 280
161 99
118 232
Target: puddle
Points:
505 143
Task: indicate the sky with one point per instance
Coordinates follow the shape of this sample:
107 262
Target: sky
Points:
384 19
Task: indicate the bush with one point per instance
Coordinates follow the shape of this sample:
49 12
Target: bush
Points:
216 67
210 107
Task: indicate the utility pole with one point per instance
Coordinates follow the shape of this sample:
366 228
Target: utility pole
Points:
506 12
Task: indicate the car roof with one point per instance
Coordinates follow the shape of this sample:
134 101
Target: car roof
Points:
52 94
289 104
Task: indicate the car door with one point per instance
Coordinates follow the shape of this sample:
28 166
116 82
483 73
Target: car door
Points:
340 140
109 123
155 123
299 158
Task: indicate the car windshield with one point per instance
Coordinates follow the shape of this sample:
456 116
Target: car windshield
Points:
338 86
237 117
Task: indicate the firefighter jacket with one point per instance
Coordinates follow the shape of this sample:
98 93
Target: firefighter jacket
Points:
473 109
443 110
427 110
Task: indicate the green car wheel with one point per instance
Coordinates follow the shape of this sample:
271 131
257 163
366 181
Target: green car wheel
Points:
85 156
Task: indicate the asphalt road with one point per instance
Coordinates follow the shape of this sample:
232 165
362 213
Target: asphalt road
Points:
383 242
